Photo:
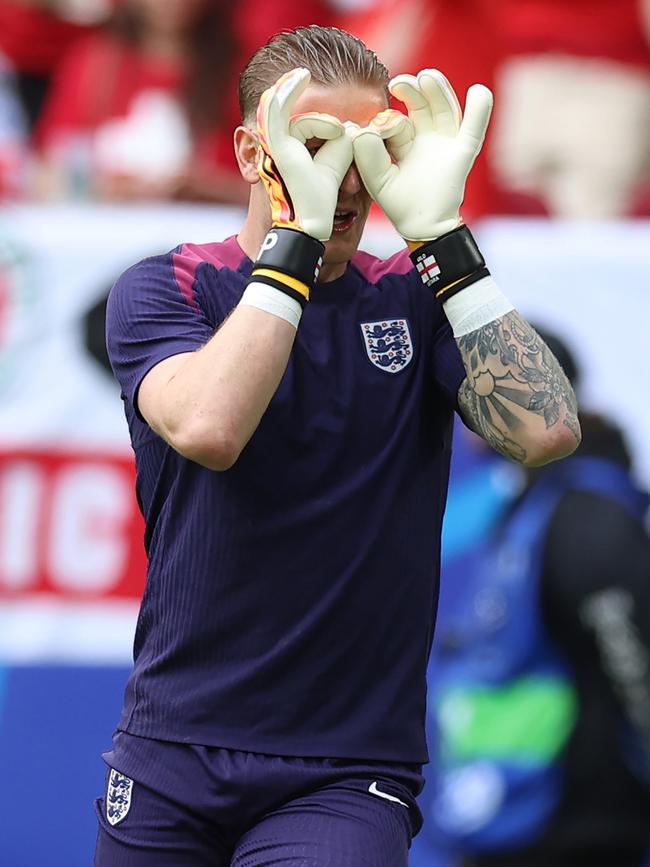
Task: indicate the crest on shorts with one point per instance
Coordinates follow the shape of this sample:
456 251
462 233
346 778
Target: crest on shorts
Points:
388 344
118 797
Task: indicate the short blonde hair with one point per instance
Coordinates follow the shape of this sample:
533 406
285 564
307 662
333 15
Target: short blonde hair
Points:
333 56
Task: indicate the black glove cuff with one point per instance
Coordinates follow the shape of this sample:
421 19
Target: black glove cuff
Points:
450 263
293 253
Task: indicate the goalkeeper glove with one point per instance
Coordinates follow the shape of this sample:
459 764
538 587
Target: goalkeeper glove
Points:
417 174
303 190
422 191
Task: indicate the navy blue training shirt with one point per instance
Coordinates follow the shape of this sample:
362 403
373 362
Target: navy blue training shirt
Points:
290 600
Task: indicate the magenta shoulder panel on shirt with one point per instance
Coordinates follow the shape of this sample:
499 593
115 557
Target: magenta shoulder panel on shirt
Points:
227 254
373 269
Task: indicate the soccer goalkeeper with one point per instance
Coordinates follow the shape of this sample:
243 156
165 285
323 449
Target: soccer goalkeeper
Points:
290 403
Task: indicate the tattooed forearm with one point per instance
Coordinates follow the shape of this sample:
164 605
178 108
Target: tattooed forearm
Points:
515 388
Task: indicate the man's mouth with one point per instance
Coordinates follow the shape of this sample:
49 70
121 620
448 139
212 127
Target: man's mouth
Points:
343 220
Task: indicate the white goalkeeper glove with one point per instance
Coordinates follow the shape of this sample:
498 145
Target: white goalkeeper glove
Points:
416 173
303 190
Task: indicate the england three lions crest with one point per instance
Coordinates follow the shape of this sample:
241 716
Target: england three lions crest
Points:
388 344
118 797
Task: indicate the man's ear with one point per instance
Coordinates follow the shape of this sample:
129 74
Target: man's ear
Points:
246 151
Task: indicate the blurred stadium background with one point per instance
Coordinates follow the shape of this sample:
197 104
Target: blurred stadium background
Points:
559 202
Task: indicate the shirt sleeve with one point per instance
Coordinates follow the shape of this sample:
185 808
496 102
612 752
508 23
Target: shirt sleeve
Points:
150 318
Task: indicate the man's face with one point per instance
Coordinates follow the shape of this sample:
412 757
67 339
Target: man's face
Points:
358 104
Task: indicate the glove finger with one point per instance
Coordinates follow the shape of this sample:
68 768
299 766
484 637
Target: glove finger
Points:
407 89
445 107
315 125
478 108
335 155
275 106
372 160
336 151
396 130
389 122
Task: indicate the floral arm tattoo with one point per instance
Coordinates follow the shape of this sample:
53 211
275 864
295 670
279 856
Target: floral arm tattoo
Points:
512 380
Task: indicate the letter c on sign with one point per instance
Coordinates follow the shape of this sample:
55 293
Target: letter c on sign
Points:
269 242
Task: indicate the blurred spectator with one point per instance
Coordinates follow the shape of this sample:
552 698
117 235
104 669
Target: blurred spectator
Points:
147 107
540 680
570 134
395 29
34 35
459 37
573 127
13 136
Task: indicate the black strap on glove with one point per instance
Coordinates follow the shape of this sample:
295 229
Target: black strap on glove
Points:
450 263
289 260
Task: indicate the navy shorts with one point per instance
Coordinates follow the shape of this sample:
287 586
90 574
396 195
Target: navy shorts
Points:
183 805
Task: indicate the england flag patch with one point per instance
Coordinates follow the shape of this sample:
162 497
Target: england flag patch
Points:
118 797
388 344
427 268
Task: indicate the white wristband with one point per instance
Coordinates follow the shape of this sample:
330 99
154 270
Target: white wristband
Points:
274 301
476 306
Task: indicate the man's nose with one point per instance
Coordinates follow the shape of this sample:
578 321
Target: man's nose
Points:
351 183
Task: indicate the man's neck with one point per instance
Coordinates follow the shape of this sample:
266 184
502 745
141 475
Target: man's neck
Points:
255 230
252 234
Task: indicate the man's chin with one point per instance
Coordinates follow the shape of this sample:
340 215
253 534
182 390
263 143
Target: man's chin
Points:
341 247
338 252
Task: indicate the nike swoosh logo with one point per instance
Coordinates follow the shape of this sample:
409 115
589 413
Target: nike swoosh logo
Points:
372 788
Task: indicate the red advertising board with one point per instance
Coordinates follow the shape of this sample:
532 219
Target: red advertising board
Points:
69 526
